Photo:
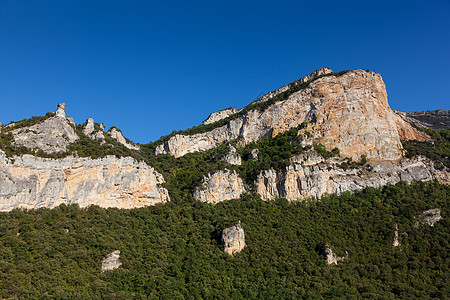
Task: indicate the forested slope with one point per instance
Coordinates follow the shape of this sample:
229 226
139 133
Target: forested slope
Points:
173 251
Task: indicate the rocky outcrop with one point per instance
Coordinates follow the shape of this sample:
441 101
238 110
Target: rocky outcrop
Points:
232 157
330 256
349 112
429 217
89 130
52 135
111 261
220 186
437 119
117 135
221 114
253 155
311 76
32 182
233 239
61 111
316 178
396 242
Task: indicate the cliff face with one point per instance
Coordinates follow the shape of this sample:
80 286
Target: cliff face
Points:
32 182
220 186
299 182
350 112
52 135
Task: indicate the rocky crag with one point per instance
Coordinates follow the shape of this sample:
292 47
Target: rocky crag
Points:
436 119
33 182
349 112
346 111
233 239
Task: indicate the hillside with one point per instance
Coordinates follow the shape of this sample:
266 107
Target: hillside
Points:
316 190
324 133
174 250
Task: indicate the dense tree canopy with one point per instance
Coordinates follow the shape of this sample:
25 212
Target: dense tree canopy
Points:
174 251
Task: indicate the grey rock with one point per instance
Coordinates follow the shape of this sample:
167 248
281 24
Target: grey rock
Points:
331 257
396 242
71 121
233 239
52 135
111 261
32 182
89 127
253 154
437 119
117 135
430 217
316 178
233 157
221 114
220 186
61 112
284 88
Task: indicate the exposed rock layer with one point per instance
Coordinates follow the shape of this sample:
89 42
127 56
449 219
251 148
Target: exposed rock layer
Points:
349 112
33 182
233 239
437 119
117 135
52 135
220 186
111 261
299 182
219 115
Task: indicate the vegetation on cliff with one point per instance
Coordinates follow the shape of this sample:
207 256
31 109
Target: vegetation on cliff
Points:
438 149
260 106
173 251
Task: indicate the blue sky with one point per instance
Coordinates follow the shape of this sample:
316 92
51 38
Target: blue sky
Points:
150 67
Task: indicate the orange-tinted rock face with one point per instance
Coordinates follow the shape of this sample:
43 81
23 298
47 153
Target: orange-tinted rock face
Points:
349 112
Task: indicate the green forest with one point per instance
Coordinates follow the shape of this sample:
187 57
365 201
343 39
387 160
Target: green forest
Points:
173 251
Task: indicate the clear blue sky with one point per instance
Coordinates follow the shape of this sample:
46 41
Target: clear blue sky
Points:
150 67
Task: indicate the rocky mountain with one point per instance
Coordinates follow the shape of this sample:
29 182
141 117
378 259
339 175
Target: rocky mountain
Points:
349 112
339 129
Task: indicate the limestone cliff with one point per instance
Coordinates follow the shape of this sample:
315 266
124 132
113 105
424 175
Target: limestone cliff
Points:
52 135
33 182
220 186
302 181
349 112
219 115
233 239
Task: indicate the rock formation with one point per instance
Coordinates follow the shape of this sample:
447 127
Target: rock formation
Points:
233 239
315 178
89 130
253 155
221 114
437 119
430 217
220 186
89 127
330 257
33 182
61 111
396 242
311 76
349 112
232 157
111 261
117 135
52 135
